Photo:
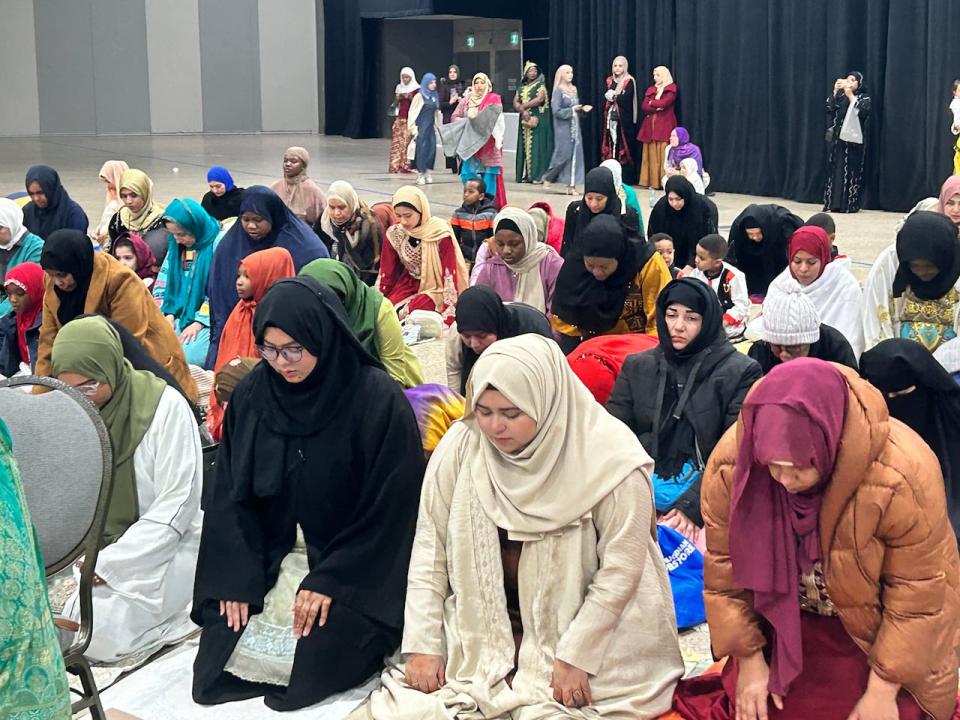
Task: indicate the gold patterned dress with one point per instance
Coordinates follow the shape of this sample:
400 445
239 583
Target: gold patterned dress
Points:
928 322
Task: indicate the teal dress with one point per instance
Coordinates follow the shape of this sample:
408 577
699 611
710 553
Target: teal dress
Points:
33 681
28 249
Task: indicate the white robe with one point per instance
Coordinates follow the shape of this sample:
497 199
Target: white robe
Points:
837 296
148 573
595 594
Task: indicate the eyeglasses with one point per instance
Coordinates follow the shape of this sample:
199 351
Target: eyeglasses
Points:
290 353
88 388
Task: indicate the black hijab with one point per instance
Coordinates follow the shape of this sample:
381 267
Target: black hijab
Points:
932 410
61 212
687 225
933 237
762 261
69 251
480 309
599 180
580 299
674 436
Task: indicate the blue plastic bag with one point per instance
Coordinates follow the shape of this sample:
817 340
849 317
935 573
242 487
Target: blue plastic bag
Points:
667 490
685 566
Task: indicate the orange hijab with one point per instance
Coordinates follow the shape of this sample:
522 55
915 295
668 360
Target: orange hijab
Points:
263 268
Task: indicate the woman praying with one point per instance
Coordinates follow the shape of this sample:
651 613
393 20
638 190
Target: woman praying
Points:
298 192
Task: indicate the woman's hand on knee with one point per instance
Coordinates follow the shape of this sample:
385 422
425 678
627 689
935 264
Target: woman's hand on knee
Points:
308 609
238 614
570 685
426 673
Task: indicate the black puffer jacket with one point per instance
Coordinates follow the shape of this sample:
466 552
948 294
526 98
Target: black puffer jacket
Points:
646 392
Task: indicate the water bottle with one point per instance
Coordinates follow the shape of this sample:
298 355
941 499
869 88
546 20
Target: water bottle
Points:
652 199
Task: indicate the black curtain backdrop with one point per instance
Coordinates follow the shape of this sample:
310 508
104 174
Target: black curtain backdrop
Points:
752 76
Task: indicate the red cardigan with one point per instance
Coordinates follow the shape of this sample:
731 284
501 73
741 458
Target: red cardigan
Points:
660 119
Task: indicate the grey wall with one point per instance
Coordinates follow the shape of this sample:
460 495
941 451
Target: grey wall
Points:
65 66
230 65
162 66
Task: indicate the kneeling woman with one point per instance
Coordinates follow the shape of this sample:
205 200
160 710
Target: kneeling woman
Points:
608 285
144 576
680 397
536 587
421 266
831 570
320 456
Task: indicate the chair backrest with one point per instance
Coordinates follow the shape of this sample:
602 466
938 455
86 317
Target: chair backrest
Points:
63 452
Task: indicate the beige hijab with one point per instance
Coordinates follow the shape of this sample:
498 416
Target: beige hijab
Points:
299 193
112 171
667 79
529 281
151 211
430 232
559 82
579 455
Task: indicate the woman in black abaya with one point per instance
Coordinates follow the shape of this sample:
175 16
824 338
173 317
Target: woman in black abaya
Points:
317 439
920 393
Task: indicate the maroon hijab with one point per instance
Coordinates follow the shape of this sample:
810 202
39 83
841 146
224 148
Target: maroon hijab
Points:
795 415
146 262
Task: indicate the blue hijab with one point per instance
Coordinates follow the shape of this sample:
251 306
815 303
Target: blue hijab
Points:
61 213
218 173
287 231
187 289
429 94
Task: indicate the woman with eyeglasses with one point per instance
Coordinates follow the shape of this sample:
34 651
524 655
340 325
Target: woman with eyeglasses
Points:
80 281
309 522
144 575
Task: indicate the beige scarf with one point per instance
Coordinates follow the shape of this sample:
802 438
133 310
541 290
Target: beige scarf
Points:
559 477
529 282
151 211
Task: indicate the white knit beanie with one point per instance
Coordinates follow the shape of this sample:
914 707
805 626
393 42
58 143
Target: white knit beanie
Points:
790 317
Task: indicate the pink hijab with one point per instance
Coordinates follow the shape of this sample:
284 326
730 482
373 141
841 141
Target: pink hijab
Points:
795 414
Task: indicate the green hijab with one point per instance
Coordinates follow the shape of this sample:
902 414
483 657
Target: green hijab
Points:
361 301
89 346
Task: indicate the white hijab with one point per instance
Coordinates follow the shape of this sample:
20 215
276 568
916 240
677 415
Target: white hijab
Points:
580 454
403 87
529 282
616 169
11 217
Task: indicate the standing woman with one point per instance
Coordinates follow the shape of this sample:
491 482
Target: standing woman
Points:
848 109
354 232
480 144
421 267
298 192
620 120
400 136
567 162
659 121
535 132
140 213
80 281
110 174
451 89
422 123
50 207
193 238
222 200
831 570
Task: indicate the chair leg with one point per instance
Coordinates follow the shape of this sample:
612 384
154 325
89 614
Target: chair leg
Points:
91 699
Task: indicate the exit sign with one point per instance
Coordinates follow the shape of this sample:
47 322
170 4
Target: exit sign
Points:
471 41
514 38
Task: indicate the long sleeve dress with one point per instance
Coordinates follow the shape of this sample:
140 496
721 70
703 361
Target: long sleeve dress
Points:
566 165
843 191
144 602
620 128
659 121
594 595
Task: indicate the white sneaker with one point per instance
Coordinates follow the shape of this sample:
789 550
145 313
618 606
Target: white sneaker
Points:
429 179
421 180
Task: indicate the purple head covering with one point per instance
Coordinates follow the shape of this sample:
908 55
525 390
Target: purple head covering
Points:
685 149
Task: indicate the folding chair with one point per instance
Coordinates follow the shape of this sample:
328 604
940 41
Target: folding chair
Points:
63 451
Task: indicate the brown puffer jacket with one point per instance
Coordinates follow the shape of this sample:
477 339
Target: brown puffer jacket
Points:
890 558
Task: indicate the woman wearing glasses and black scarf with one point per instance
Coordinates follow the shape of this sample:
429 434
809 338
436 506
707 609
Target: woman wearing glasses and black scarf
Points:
310 519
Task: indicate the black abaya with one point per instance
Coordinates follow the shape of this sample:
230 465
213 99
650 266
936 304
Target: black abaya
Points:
761 261
338 454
